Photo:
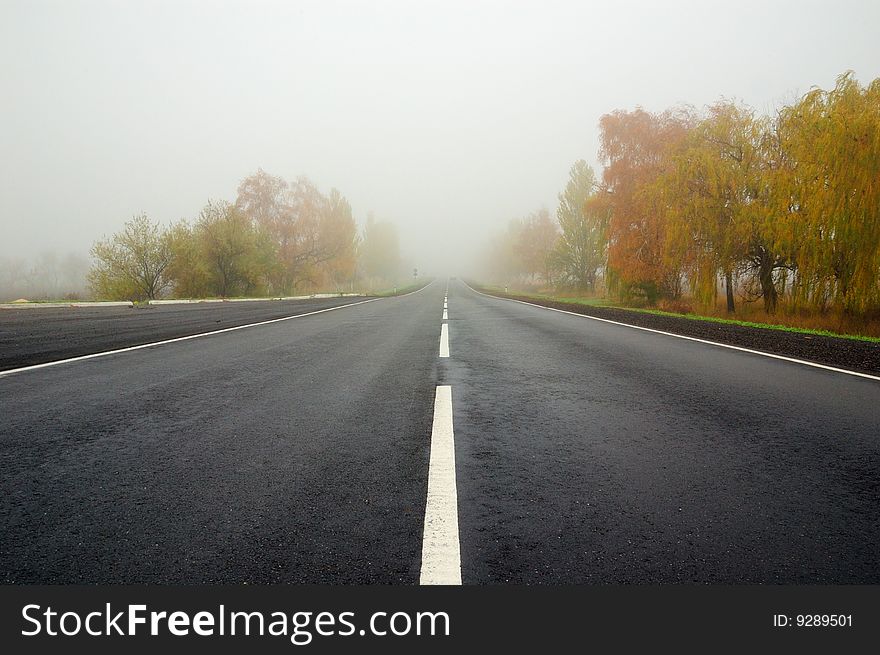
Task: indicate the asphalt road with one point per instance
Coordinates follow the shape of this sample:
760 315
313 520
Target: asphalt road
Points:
299 451
34 336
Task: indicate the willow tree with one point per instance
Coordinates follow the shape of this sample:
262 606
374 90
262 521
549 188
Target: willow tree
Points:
710 191
835 138
636 148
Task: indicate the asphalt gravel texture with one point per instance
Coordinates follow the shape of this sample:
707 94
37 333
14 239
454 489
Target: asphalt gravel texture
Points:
297 452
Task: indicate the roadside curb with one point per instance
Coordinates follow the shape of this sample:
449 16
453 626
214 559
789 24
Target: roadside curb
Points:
196 301
56 305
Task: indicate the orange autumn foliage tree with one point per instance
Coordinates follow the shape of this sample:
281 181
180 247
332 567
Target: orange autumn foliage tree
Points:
783 210
636 148
312 237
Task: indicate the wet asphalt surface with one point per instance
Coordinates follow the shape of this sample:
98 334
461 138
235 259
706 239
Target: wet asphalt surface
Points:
595 453
840 352
34 336
290 452
298 452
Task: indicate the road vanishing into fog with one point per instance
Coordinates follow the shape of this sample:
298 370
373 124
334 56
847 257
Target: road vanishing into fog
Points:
303 450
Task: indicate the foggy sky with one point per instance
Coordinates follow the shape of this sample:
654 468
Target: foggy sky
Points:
448 118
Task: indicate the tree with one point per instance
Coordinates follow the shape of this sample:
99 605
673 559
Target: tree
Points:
263 199
311 237
133 263
187 270
636 148
299 235
834 138
771 253
338 241
535 243
580 251
380 251
782 208
503 266
710 193
227 247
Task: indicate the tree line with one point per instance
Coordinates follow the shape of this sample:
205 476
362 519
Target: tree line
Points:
277 239
724 201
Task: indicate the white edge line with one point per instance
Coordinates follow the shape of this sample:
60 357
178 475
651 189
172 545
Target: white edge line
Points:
682 336
104 353
441 546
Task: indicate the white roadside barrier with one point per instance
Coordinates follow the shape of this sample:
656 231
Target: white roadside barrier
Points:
188 301
55 305
170 301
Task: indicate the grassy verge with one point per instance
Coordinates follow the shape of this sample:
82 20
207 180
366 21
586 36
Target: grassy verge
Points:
602 302
767 326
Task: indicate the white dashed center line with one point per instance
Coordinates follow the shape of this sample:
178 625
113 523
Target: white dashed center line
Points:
441 553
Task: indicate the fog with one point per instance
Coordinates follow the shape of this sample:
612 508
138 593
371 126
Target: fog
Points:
447 118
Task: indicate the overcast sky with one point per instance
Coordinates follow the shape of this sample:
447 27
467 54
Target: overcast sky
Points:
448 118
